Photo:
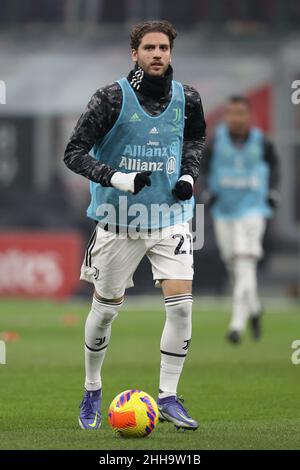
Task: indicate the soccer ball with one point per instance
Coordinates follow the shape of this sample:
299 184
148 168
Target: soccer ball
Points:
133 413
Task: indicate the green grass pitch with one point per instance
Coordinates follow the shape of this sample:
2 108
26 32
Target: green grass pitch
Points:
245 397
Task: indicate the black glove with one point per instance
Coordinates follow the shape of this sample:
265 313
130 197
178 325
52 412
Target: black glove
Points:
183 190
212 200
131 182
209 199
141 180
272 203
273 199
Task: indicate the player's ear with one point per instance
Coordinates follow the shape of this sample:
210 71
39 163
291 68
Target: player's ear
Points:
134 55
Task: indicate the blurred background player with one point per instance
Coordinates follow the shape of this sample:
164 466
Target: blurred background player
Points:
242 177
147 110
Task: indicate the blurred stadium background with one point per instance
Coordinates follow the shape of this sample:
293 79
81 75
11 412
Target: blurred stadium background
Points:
53 55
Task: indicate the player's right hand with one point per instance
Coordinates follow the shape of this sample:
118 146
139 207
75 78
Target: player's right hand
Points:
273 198
141 180
131 182
209 198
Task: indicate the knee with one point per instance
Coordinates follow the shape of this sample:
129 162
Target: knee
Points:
242 290
104 313
181 314
105 319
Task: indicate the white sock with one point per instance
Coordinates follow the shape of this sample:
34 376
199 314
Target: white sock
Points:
97 336
255 305
175 341
245 299
230 269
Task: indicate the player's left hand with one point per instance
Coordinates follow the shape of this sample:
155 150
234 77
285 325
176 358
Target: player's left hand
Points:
273 199
184 188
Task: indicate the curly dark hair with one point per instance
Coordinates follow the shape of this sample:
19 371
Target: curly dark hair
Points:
139 30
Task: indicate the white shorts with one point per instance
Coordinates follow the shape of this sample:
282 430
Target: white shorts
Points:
240 236
111 259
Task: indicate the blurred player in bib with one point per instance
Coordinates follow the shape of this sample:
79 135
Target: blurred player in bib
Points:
242 178
146 135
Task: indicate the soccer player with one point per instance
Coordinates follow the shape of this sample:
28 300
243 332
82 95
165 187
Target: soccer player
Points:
242 178
146 135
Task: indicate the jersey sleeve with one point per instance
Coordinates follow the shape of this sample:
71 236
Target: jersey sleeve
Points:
194 134
271 158
96 121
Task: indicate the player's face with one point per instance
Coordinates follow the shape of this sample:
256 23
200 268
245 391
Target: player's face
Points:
237 118
153 54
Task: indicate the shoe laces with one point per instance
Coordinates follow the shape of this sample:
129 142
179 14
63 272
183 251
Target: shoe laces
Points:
180 402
